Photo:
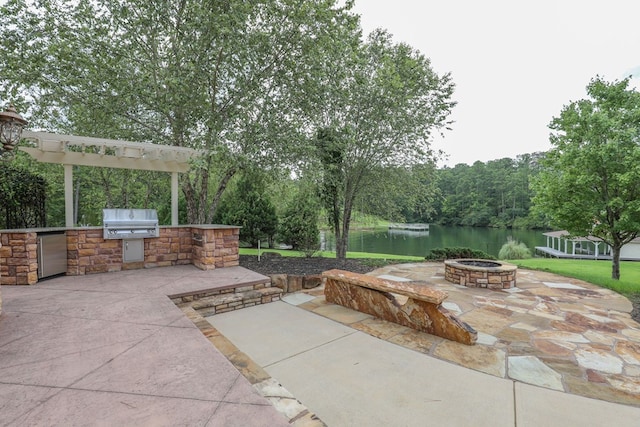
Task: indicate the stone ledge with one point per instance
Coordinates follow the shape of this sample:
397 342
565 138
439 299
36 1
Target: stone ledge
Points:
378 297
414 290
230 301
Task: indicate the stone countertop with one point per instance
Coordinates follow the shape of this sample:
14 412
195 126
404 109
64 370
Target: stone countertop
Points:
207 226
42 229
62 229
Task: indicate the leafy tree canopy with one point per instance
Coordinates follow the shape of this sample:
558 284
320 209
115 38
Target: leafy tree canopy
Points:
589 184
377 108
495 194
249 206
299 223
22 198
211 75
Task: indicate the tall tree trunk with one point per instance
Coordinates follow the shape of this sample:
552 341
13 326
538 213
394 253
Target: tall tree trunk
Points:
204 195
334 217
221 187
615 264
341 250
195 193
190 199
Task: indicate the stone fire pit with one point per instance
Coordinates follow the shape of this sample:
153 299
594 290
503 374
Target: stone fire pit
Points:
480 273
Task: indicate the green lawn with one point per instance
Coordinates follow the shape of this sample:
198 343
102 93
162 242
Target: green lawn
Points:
596 272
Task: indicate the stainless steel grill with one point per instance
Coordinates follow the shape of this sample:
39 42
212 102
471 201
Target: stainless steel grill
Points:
130 223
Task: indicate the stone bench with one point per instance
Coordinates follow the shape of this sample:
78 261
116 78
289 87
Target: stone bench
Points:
381 298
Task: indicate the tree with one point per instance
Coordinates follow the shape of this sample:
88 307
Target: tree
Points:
589 182
215 76
499 188
401 193
377 107
22 198
298 226
249 207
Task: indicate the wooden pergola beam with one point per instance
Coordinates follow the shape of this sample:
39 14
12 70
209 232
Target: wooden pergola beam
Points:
70 150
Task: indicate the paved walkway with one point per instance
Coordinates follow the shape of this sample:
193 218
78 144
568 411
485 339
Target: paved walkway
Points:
111 349
350 378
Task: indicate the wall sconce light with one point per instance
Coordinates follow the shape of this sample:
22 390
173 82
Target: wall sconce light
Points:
11 125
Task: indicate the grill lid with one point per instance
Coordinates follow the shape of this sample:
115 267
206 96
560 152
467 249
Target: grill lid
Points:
130 223
129 215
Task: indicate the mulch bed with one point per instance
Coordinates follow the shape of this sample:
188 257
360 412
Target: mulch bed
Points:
275 264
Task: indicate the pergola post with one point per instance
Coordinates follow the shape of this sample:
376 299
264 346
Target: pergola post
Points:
174 198
68 195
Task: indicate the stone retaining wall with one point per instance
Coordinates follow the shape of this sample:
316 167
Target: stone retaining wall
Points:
290 283
219 301
19 258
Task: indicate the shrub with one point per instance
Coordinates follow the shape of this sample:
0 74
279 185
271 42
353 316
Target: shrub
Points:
440 254
299 224
514 250
249 206
22 198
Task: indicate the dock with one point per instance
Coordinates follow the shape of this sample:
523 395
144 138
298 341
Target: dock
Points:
554 253
409 227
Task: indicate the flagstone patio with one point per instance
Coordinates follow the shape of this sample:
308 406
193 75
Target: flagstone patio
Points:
550 331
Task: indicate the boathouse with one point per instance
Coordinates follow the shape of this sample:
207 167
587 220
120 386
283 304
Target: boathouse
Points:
561 245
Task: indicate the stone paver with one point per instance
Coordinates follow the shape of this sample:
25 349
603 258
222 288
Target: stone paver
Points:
551 331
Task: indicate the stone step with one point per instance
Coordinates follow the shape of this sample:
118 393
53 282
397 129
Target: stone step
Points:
222 303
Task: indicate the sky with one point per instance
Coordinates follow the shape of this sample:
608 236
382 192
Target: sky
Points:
515 63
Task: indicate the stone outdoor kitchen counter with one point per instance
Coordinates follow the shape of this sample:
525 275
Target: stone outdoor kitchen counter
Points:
206 246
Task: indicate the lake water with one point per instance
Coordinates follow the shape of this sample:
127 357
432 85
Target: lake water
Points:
400 242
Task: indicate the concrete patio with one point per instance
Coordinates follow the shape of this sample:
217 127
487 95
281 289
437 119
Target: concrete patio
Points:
112 349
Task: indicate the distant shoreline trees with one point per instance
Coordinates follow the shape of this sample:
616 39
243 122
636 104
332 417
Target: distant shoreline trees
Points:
491 194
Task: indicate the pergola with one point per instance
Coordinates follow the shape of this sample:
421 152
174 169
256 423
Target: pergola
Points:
70 150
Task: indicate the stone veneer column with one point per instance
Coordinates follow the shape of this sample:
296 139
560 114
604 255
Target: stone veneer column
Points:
215 247
19 258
